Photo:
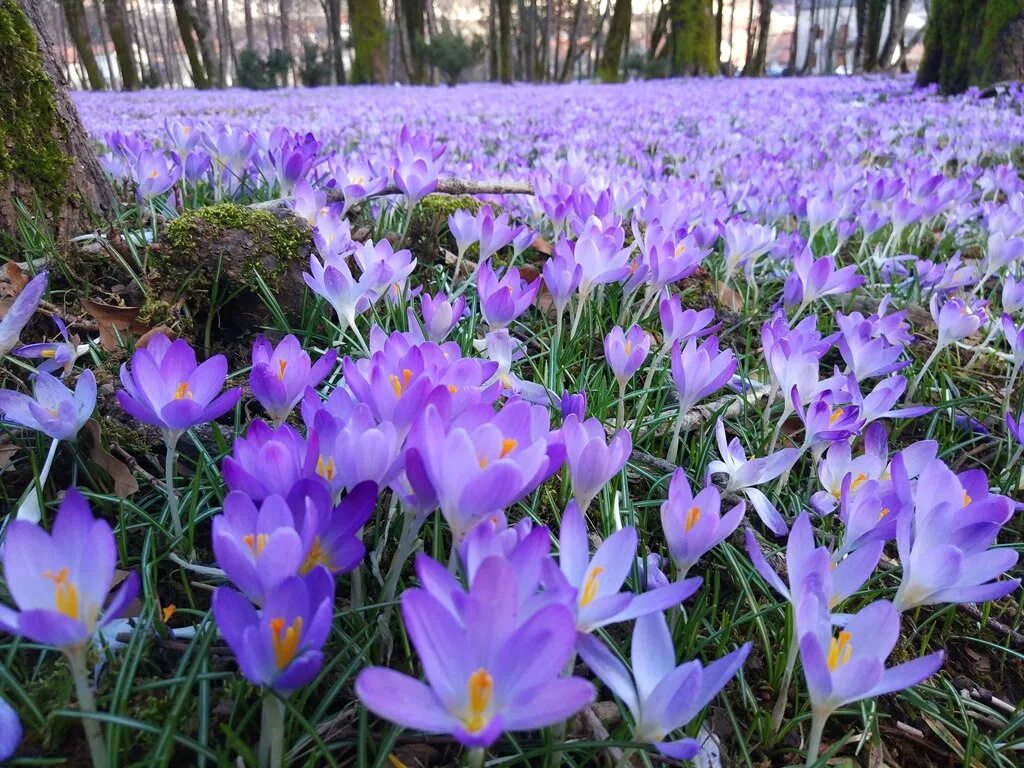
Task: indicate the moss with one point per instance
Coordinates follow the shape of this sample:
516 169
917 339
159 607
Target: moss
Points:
428 230
31 132
273 244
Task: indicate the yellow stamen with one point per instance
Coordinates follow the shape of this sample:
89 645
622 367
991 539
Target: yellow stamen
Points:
281 364
256 543
858 481
590 586
680 248
399 387
46 354
153 174
967 499
507 446
66 593
840 650
629 348
168 611
884 511
837 414
481 691
183 391
317 556
484 462
692 517
325 468
452 389
285 641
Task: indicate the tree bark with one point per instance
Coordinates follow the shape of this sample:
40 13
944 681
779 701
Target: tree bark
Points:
188 42
78 28
505 40
46 159
332 10
873 34
794 42
250 26
692 37
284 8
574 37
763 27
618 35
367 25
118 25
102 27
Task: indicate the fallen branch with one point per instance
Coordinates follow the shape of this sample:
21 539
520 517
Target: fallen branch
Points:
454 187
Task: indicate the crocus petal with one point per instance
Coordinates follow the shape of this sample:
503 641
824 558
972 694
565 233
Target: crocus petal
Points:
549 703
908 674
403 700
609 670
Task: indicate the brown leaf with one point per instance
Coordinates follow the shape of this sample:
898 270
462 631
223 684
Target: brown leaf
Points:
125 483
148 335
728 297
15 277
115 323
541 245
7 454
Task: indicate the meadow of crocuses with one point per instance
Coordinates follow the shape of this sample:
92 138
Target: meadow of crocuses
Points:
703 445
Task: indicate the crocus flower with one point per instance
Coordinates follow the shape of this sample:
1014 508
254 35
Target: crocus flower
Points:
575 403
356 449
1013 294
660 696
465 229
1015 427
745 473
849 665
54 409
1015 338
865 355
678 324
591 460
19 313
626 352
153 175
598 579
384 271
279 647
503 300
745 243
280 375
56 355
693 525
813 278
60 581
495 233
483 676
332 279
600 253
10 731
269 460
166 387
697 372
562 275
955 319
945 545
823 423
415 165
441 315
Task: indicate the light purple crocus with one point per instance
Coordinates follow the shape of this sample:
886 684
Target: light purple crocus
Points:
483 675
60 581
166 387
562 275
660 696
11 731
745 473
598 579
945 546
281 374
56 355
441 315
813 278
465 230
956 319
693 525
494 232
504 299
20 312
678 324
279 647
697 371
53 409
626 352
153 175
591 460
269 460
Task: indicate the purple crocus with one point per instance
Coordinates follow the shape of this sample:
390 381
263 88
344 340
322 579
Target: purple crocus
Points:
465 230
945 546
441 315
483 675
279 647
562 275
19 313
153 175
813 278
678 324
745 473
281 374
53 409
270 460
598 579
660 696
60 581
823 423
11 731
626 352
591 460
166 387
494 232
333 280
415 165
693 525
56 355
504 299
697 372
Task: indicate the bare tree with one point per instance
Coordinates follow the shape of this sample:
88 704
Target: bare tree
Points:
117 22
618 38
186 30
78 28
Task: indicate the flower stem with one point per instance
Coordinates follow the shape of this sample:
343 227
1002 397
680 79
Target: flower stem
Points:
673 446
580 301
172 496
87 705
406 541
779 712
620 416
917 379
814 739
624 761
271 750
475 758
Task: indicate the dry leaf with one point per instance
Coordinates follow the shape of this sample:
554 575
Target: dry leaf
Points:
115 323
148 335
541 245
15 277
728 297
7 454
125 483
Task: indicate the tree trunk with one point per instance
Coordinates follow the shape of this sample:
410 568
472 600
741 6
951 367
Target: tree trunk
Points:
284 8
46 160
873 34
195 62
199 15
102 27
794 42
78 28
719 22
332 9
692 37
411 19
618 36
118 25
748 60
973 42
574 37
250 26
367 24
812 37
763 26
505 40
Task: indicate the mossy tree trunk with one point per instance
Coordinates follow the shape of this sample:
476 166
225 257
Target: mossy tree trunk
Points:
45 157
414 17
873 35
118 24
78 27
618 37
367 23
505 40
973 42
692 40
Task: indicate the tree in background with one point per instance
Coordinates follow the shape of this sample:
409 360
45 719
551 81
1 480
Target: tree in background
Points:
78 28
367 24
452 53
119 35
692 38
618 39
973 42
